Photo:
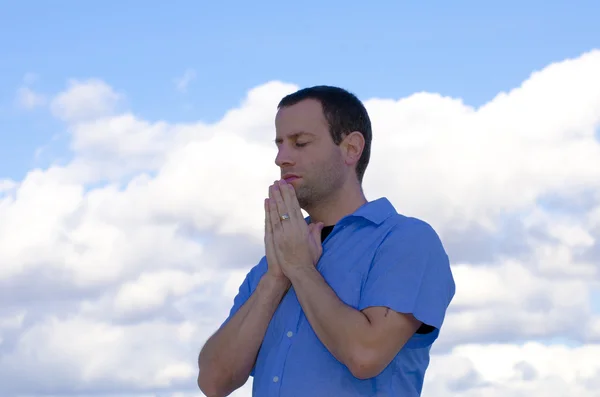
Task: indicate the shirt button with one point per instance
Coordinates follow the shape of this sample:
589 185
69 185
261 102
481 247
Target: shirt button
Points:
276 379
289 334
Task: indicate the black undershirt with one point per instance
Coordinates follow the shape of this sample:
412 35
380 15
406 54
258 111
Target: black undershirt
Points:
424 328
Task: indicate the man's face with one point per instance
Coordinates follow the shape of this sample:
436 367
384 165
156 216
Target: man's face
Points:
306 150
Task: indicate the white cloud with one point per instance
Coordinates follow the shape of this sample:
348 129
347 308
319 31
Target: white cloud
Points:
482 163
183 82
84 354
85 100
116 267
515 370
6 185
28 99
513 301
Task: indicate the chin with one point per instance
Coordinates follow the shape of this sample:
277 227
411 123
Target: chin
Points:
303 203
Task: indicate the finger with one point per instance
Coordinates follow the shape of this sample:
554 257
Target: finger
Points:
291 201
268 231
268 227
278 201
311 229
317 231
275 221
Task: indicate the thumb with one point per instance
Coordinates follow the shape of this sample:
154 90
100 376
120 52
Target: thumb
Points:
316 231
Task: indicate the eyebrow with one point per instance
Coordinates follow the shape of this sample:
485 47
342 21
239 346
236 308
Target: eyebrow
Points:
294 135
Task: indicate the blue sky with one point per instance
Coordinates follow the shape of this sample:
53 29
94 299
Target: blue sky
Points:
466 49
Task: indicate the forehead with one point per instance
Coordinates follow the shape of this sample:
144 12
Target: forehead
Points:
304 116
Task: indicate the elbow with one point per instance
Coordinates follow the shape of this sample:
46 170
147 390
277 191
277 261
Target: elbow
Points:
364 365
206 380
208 387
215 384
364 371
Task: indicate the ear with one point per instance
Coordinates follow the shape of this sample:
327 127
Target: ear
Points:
353 145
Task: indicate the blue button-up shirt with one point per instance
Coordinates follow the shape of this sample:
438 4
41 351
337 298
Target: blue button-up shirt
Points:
373 257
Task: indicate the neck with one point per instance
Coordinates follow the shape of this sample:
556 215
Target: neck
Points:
344 202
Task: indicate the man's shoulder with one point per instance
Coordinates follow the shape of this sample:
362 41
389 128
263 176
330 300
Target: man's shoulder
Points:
384 213
403 231
400 224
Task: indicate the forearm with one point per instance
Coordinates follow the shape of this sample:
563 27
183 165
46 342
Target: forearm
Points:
227 358
338 326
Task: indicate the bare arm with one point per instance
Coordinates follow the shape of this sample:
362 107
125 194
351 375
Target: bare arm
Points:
227 358
365 341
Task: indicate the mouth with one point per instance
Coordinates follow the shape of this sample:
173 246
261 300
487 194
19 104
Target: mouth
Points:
290 177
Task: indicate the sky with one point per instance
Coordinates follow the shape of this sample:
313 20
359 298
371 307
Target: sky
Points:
129 129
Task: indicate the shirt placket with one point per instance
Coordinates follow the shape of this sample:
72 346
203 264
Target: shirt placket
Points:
289 334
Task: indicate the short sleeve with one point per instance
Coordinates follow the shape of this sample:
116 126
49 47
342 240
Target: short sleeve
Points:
242 296
411 274
246 289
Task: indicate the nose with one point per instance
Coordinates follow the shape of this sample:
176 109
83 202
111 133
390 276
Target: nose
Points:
284 157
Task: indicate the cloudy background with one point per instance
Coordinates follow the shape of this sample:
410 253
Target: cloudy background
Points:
129 217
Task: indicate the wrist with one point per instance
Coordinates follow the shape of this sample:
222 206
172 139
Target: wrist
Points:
298 273
275 284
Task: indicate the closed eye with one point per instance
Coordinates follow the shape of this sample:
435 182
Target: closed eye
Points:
301 144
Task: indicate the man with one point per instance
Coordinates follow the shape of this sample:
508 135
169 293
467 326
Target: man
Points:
346 302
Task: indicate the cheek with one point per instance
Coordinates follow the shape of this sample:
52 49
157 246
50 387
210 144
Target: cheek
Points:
329 168
322 164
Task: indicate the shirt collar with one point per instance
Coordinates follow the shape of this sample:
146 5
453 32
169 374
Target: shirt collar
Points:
375 211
